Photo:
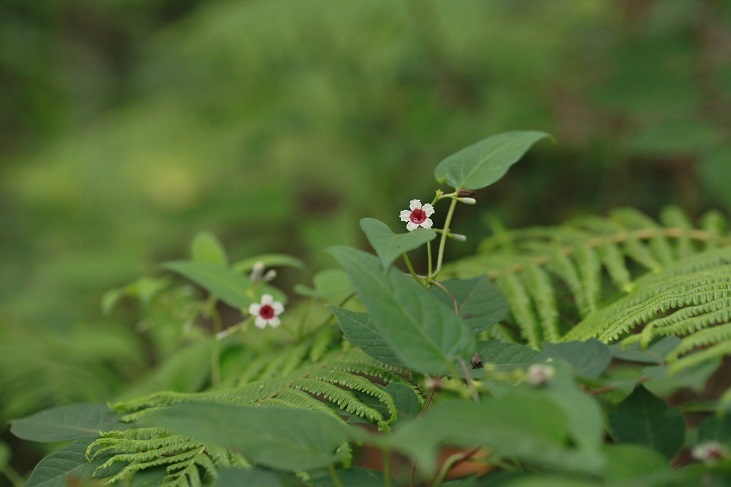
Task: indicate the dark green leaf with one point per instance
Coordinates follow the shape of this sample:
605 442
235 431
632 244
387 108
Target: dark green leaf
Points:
662 382
715 428
280 438
66 466
645 419
355 476
151 477
587 358
207 248
223 283
424 333
63 423
483 163
479 303
228 477
360 331
503 356
654 354
389 245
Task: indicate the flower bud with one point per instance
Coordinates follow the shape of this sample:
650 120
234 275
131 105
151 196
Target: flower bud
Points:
540 374
467 201
458 237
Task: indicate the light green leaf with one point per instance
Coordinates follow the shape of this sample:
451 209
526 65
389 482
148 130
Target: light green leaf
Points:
627 464
269 260
389 245
280 438
223 283
587 358
424 333
207 248
483 163
66 465
330 284
645 419
360 331
63 423
479 303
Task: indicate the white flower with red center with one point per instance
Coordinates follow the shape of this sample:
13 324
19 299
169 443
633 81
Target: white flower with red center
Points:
266 312
417 215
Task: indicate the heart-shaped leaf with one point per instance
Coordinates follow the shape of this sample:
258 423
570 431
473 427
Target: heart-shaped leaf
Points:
423 332
389 245
485 162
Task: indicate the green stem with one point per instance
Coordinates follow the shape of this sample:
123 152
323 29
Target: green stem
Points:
386 466
443 241
429 261
411 268
15 478
334 476
216 347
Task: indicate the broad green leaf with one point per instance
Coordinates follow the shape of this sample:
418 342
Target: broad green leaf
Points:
715 428
662 381
69 422
280 438
356 477
389 245
269 260
479 303
587 358
228 477
151 477
483 163
64 467
630 463
207 248
502 356
522 424
645 419
423 332
329 284
360 331
223 283
654 354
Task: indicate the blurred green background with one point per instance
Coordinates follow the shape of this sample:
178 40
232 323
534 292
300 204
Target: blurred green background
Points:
128 126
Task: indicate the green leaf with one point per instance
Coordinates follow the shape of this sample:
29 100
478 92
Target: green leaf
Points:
479 303
389 245
587 358
503 356
281 438
64 467
629 463
483 163
523 424
715 428
5 455
207 248
654 354
223 283
260 478
355 476
662 381
360 331
330 284
424 333
269 260
645 419
64 423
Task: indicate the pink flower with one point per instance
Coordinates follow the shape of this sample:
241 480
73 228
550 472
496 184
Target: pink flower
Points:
417 216
267 312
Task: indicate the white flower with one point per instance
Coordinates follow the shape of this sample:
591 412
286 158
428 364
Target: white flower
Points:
267 312
709 452
417 216
540 374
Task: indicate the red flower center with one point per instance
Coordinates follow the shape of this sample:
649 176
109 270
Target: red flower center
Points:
266 312
417 216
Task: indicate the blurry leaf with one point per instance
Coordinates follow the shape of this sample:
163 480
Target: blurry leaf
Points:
66 466
483 163
715 428
588 358
628 462
151 477
330 284
654 354
423 333
548 480
647 420
207 248
360 331
524 424
479 303
355 476
229 477
662 382
225 284
280 438
144 289
389 245
63 423
715 171
269 260
5 455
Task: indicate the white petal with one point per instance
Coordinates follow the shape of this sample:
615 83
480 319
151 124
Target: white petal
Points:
427 223
267 299
414 204
278 308
254 309
405 215
411 226
428 209
260 322
274 322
